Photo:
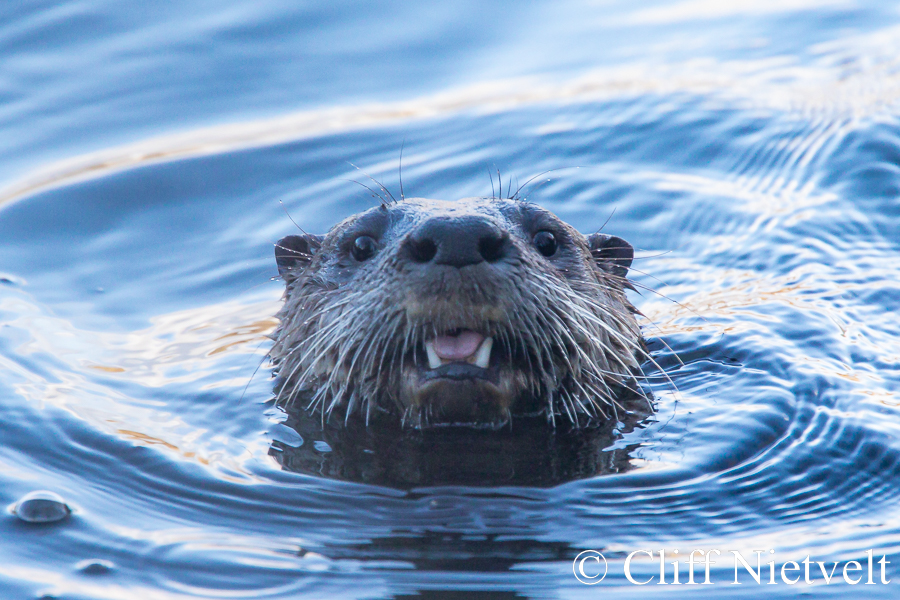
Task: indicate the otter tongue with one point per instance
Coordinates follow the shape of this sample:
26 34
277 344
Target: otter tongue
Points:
457 347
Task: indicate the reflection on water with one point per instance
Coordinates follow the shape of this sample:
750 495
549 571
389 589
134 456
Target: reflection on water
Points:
844 90
530 453
750 151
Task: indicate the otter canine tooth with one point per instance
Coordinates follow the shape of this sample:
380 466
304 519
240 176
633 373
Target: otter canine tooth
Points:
434 361
483 355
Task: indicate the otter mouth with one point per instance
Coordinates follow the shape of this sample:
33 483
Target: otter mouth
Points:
458 384
458 348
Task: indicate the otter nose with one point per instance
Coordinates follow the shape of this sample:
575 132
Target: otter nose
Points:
457 241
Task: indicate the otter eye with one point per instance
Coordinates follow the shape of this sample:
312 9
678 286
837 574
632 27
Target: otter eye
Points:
364 248
545 242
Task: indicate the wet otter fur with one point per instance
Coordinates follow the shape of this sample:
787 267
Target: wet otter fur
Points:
472 312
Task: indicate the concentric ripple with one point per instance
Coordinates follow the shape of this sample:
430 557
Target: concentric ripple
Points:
758 179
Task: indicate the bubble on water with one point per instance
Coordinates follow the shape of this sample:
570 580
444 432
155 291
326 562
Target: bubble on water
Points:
94 566
41 506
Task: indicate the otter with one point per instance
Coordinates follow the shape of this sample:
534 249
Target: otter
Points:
434 313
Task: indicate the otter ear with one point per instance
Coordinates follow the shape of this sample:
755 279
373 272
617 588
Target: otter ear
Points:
611 253
295 252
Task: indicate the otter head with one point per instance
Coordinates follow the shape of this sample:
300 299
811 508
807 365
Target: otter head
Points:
464 312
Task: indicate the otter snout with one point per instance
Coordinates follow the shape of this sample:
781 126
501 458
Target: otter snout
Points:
457 241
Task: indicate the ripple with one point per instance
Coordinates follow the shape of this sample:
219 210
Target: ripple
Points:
761 185
780 84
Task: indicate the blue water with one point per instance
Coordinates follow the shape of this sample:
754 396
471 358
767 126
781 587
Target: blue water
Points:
749 150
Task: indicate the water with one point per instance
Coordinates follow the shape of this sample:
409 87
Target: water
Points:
749 150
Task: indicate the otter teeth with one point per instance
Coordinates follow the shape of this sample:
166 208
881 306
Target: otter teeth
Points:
434 361
480 358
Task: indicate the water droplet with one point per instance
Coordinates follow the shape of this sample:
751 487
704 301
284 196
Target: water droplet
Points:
95 566
41 506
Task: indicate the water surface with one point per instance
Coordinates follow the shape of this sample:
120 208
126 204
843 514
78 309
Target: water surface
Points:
749 151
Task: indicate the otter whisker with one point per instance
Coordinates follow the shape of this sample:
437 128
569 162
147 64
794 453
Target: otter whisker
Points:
516 196
509 325
375 181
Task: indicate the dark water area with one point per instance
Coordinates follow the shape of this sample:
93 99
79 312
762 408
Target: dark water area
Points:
750 151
